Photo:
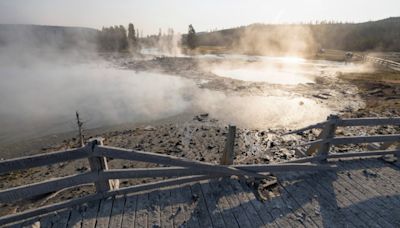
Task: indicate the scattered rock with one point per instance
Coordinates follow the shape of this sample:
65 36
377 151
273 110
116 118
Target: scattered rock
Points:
321 96
369 173
202 117
389 158
149 128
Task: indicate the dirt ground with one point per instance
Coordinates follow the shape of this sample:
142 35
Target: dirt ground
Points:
202 137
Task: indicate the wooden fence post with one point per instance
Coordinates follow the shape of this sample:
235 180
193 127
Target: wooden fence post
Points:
328 133
229 154
98 164
80 134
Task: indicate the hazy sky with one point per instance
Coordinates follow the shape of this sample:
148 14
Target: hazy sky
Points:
150 15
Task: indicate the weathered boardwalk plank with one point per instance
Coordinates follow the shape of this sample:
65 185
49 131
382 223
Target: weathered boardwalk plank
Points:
128 218
236 207
178 216
265 215
75 220
345 199
362 193
331 213
141 219
310 213
117 211
201 209
61 219
103 217
336 200
296 209
189 207
89 215
154 209
212 205
377 209
166 213
245 203
47 221
222 204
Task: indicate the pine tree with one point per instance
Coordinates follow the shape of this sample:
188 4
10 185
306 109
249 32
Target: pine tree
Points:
132 36
191 38
122 39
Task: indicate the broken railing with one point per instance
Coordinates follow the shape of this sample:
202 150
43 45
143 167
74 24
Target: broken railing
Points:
319 150
180 171
384 62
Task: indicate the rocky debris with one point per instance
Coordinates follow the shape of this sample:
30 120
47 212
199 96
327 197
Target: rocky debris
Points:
369 173
265 189
321 96
389 158
375 91
149 128
202 117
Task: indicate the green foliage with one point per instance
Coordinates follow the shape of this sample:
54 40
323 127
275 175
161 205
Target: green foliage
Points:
132 39
113 38
191 37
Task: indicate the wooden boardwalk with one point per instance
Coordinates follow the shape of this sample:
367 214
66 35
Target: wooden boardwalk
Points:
362 193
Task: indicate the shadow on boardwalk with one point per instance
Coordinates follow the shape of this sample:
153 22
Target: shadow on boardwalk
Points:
362 193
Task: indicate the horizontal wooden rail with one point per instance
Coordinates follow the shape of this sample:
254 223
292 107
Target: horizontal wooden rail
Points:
382 60
31 190
42 159
181 171
73 202
365 139
356 139
363 154
118 153
350 123
368 121
314 126
275 168
151 172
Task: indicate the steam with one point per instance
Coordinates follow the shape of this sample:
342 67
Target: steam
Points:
165 45
282 40
286 70
263 112
49 93
41 88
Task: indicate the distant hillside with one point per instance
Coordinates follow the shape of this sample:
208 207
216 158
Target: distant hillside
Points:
382 35
53 36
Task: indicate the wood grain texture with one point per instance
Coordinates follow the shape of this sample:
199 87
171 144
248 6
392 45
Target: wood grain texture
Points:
26 191
42 159
163 159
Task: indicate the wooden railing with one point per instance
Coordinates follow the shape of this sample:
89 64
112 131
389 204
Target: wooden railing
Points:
319 150
181 171
384 62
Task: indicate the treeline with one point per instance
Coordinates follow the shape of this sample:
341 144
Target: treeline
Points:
117 38
383 35
41 36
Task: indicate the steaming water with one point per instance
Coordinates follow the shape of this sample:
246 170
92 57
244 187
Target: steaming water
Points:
280 70
40 98
265 74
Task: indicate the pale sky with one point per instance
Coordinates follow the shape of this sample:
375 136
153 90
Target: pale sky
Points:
150 15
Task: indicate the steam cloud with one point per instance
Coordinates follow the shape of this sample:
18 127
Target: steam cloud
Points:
43 87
